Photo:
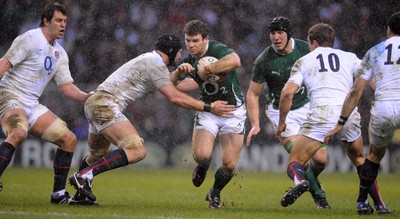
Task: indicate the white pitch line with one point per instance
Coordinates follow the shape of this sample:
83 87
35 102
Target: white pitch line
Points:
85 215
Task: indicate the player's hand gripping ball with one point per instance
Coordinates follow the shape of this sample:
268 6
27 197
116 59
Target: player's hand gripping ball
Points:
210 77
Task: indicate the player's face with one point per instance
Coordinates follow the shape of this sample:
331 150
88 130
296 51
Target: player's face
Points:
196 45
279 40
57 25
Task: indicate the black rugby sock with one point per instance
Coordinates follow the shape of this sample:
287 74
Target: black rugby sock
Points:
221 180
368 174
61 166
6 152
296 170
112 160
373 191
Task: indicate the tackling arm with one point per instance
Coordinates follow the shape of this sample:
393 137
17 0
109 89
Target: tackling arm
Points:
188 84
220 108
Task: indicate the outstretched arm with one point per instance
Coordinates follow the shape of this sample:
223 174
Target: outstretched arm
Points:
220 108
188 84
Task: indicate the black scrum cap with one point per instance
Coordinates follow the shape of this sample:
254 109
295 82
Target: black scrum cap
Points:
281 23
170 45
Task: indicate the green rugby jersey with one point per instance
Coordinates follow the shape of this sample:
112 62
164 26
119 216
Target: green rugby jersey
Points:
228 89
274 69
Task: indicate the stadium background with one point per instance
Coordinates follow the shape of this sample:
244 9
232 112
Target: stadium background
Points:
103 34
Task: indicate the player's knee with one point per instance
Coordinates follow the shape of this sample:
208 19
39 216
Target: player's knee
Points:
133 145
320 158
229 168
17 136
67 142
135 154
142 153
130 141
16 128
70 138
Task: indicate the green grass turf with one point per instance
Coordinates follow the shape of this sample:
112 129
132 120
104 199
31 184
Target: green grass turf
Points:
169 193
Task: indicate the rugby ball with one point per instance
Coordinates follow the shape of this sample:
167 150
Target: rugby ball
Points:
206 60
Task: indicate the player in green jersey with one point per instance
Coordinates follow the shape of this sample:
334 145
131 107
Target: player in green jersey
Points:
230 130
272 67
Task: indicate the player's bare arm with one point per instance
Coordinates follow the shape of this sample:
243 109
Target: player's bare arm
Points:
285 104
184 68
4 66
72 92
219 108
188 84
225 64
353 97
253 110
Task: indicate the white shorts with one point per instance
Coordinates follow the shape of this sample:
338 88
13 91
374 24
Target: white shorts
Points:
217 124
385 119
322 119
102 110
294 119
10 101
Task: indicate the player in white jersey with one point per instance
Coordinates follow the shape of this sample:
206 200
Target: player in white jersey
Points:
327 74
107 123
34 59
380 64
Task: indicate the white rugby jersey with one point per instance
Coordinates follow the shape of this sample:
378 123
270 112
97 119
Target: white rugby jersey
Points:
382 62
137 77
35 62
327 74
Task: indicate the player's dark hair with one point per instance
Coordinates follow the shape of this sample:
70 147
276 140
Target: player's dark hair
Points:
282 24
195 27
323 33
48 12
394 23
170 45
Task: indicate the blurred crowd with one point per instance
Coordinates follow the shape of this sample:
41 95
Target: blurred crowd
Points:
103 34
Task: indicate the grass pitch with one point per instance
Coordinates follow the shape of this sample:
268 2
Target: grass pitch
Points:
169 193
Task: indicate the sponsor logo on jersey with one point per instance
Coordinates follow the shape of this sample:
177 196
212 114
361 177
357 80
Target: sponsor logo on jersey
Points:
57 54
276 73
